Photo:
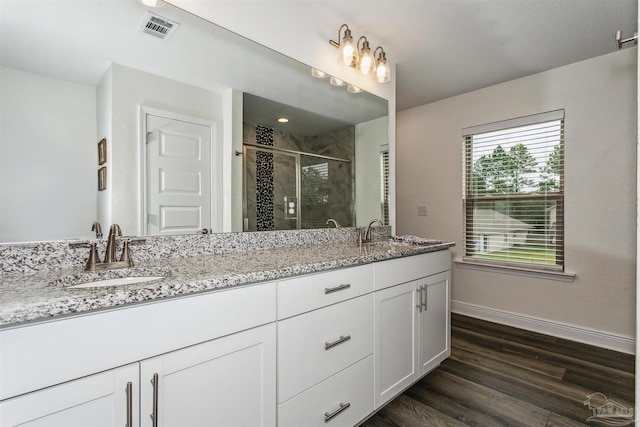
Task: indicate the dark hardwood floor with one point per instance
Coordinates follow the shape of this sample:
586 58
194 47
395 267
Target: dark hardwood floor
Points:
503 376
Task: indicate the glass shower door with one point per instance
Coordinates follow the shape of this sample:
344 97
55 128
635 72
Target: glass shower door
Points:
270 190
326 191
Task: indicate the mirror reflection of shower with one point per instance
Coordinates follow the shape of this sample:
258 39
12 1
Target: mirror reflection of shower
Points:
293 182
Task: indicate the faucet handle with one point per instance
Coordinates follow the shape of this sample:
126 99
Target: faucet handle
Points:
125 257
93 253
125 253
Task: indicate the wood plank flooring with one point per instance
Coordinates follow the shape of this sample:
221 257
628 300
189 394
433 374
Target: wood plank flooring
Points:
502 376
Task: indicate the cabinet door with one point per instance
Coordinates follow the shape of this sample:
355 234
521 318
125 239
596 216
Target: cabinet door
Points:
434 322
100 400
228 382
395 340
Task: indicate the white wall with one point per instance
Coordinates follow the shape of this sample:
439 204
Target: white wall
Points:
599 98
130 89
369 136
48 157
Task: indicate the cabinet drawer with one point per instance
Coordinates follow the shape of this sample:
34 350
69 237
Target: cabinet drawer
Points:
351 387
316 345
306 293
401 270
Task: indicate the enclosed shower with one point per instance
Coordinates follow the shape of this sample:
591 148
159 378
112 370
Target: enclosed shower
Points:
287 188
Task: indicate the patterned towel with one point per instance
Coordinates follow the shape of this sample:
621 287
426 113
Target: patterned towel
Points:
414 240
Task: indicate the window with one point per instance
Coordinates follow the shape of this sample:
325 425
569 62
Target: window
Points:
514 192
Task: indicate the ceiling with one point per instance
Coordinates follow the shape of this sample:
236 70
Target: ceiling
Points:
443 48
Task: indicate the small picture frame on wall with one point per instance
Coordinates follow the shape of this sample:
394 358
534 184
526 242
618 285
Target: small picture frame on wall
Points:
102 178
102 151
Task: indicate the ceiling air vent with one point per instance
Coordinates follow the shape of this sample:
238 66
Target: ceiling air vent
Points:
157 26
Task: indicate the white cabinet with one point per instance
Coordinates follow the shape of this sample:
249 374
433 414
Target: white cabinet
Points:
412 322
102 400
214 356
325 348
434 322
230 380
395 337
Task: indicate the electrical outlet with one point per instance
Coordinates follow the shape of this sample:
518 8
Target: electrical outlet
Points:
422 210
290 207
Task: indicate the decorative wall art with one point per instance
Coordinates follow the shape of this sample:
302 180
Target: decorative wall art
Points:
102 178
102 151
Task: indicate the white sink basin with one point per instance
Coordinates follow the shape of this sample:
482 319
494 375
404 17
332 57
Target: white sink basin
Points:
116 282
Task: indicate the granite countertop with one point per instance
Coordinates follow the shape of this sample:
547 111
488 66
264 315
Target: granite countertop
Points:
31 297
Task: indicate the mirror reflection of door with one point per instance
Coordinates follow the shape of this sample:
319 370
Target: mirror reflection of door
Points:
178 176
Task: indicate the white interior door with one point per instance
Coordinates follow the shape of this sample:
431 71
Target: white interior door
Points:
178 176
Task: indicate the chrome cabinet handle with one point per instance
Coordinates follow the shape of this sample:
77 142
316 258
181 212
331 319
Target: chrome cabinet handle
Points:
419 306
342 339
337 288
329 416
425 298
154 414
129 404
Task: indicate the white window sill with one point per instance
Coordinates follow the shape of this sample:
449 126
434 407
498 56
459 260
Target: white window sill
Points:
518 271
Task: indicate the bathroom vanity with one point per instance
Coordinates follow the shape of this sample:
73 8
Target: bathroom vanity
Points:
325 339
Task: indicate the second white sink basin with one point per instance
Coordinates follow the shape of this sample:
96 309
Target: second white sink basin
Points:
116 282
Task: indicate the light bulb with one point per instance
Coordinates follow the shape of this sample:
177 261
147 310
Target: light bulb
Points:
318 74
353 89
347 54
366 59
336 81
366 62
383 71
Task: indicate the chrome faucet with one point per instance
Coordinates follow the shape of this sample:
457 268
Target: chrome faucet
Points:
110 252
96 227
110 261
334 222
365 233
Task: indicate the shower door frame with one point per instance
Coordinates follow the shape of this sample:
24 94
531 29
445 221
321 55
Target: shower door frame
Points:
297 155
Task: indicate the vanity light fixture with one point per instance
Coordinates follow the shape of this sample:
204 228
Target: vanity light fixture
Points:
382 73
366 61
283 120
359 56
347 49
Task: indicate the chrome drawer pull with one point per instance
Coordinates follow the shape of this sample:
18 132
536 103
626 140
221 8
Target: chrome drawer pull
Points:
329 416
154 414
129 404
330 345
337 288
419 306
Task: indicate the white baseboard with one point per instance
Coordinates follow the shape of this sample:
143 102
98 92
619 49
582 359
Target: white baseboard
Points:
574 333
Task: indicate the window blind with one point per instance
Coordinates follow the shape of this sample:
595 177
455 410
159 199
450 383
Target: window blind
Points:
514 191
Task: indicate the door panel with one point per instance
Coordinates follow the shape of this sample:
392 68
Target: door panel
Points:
228 382
435 322
178 176
395 341
99 400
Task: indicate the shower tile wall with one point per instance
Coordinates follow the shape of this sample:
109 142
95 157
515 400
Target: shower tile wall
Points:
264 181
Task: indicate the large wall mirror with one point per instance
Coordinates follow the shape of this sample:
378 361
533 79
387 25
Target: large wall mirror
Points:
112 112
